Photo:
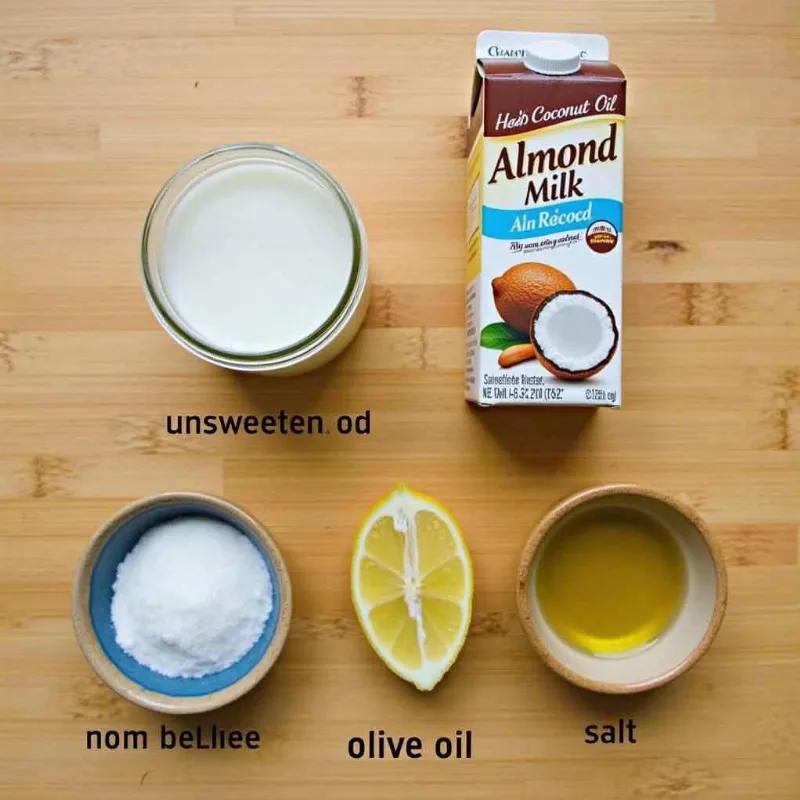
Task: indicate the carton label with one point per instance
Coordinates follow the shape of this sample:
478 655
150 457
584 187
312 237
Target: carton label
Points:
564 178
545 236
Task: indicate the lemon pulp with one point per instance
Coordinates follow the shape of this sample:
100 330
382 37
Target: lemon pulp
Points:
610 580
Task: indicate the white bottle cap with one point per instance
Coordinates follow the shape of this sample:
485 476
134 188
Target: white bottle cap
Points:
553 57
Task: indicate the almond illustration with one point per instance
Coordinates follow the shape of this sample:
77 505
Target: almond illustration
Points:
516 354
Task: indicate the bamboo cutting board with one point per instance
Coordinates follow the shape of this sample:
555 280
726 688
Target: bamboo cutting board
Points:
102 100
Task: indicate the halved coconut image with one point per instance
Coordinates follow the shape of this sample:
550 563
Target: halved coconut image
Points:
574 334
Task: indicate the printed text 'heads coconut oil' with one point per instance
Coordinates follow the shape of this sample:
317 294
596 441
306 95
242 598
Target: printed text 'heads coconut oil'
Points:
544 214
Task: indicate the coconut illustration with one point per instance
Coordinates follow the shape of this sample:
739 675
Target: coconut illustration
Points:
520 290
574 334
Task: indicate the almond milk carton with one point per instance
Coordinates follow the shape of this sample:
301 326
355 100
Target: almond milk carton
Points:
544 217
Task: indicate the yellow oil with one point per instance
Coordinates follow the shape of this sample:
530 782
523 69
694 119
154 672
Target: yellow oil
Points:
610 580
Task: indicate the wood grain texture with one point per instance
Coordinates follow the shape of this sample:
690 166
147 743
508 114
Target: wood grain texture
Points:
102 100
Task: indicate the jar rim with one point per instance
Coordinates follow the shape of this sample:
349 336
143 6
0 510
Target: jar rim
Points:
316 340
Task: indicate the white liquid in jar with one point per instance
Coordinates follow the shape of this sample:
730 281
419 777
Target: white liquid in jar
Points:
256 257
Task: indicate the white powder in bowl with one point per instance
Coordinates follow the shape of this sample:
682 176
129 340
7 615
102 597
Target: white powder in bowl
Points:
191 598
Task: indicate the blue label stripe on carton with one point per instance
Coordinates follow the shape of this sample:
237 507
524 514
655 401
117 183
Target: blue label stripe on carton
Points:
527 223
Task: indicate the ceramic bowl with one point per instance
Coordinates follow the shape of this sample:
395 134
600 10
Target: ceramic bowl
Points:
685 640
91 609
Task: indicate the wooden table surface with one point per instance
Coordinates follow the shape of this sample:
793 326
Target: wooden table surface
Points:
100 101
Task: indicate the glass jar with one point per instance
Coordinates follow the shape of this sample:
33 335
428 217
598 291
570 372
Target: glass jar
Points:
347 311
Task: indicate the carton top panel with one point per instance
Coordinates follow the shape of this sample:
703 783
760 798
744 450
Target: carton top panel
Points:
512 44
514 70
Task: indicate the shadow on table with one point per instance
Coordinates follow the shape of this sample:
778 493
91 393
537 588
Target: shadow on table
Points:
297 394
546 434
598 708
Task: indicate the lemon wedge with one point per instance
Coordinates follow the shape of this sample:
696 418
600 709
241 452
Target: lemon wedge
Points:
411 583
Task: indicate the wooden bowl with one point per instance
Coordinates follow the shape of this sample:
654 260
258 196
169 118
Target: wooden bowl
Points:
91 609
677 648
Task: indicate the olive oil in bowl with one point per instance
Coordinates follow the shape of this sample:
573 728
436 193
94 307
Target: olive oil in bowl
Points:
610 580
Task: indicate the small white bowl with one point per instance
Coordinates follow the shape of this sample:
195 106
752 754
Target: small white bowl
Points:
680 646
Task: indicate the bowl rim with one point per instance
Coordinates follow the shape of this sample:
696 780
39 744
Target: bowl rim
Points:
110 673
557 512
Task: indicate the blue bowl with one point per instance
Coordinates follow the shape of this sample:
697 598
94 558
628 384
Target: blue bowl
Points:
93 592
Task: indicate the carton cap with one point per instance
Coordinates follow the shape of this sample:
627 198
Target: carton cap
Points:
553 57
